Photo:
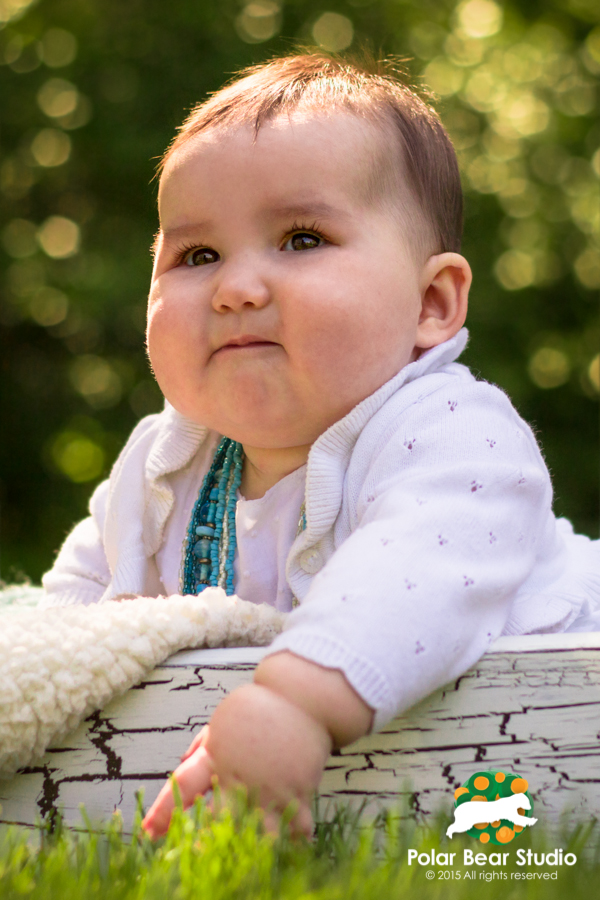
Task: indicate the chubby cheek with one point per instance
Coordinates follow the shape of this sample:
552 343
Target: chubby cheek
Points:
174 347
350 349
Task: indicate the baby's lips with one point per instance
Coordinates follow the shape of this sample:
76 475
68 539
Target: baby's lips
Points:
244 340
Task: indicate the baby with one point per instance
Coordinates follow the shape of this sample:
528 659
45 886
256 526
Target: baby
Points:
320 449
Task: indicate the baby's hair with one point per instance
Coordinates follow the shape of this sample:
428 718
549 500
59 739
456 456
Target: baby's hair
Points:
416 148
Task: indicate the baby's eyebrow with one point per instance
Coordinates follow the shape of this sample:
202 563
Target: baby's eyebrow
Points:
317 209
180 231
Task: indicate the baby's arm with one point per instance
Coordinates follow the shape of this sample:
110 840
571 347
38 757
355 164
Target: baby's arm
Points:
81 573
85 565
274 736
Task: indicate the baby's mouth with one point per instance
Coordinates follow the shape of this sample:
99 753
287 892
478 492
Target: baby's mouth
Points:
246 342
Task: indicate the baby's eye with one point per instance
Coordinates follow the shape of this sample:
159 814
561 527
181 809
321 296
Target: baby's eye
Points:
303 240
200 256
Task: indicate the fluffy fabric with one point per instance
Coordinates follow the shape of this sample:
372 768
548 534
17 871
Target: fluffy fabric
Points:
58 665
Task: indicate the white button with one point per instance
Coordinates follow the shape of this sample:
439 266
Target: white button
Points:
311 561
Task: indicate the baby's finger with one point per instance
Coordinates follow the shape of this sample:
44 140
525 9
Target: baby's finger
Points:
198 741
271 821
297 814
193 779
302 823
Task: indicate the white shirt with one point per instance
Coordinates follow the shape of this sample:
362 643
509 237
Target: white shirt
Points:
265 531
429 533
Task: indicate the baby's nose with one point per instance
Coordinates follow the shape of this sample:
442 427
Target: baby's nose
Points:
238 286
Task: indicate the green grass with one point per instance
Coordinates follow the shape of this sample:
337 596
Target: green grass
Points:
229 856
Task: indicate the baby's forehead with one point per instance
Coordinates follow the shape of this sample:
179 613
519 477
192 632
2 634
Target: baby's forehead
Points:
358 150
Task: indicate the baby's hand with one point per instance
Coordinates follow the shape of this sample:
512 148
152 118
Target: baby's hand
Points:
261 740
274 737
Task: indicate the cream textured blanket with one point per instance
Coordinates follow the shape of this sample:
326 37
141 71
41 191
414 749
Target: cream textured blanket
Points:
58 665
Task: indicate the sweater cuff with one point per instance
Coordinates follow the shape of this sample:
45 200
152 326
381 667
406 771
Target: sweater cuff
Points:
73 597
367 680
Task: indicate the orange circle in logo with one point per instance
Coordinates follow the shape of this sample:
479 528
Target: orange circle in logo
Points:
519 785
460 791
499 776
481 783
505 834
484 838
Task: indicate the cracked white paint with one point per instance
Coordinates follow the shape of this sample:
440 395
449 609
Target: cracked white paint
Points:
532 705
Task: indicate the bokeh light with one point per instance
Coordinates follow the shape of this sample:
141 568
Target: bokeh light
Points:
587 268
51 147
77 457
479 18
13 9
443 76
259 21
96 380
59 237
49 306
333 31
549 368
57 97
593 373
57 48
515 270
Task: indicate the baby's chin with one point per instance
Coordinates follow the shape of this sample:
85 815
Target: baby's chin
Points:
268 412
277 430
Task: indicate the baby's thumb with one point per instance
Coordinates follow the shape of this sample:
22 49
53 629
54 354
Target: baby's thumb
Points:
199 740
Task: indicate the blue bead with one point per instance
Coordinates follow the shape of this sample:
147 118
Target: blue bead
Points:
201 548
216 504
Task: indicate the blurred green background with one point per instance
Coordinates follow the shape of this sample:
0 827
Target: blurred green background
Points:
90 94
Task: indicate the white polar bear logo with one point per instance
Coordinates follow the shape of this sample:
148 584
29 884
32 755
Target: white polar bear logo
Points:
475 812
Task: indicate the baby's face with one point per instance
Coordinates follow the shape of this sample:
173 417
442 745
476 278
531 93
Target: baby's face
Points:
279 298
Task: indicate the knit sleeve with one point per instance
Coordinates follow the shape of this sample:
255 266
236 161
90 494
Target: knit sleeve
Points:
449 520
80 573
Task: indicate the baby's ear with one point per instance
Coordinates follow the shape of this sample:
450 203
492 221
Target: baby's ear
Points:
445 284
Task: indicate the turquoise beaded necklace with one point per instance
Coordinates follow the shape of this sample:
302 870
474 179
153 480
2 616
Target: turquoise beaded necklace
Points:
210 543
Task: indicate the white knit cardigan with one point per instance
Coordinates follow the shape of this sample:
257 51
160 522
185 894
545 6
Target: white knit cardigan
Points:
429 533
